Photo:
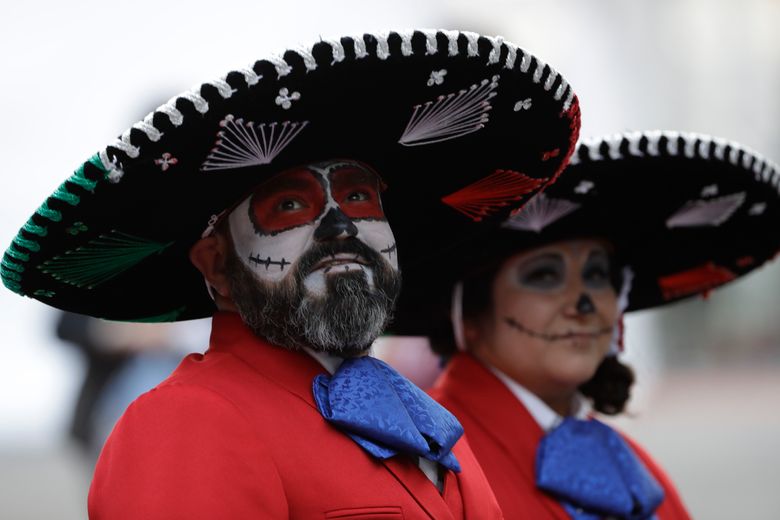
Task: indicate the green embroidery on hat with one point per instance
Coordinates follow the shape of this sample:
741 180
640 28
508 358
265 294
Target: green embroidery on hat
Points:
18 255
13 266
10 275
101 259
35 229
32 245
64 195
46 212
76 228
79 178
160 318
14 286
43 293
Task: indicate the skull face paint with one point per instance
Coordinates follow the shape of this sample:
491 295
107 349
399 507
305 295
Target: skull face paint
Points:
316 203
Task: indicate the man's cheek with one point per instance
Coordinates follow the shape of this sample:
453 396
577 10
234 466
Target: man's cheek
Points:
272 257
378 235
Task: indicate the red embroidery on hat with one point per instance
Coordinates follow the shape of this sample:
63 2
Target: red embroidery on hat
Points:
574 116
745 261
479 199
546 156
697 280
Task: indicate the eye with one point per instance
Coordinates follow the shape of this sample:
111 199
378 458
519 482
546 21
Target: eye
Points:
596 273
542 277
358 196
290 205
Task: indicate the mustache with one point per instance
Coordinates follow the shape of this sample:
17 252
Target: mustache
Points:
322 251
556 337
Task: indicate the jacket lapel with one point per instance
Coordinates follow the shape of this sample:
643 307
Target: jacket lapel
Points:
417 484
501 416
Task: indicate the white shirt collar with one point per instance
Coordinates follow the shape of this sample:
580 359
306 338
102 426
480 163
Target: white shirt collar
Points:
546 417
329 362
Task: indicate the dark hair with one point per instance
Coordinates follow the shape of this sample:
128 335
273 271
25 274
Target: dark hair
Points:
610 386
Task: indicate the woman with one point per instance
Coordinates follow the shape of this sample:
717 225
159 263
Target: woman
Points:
637 221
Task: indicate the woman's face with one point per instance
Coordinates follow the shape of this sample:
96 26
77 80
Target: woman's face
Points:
554 310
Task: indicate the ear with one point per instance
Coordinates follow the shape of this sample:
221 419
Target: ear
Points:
209 255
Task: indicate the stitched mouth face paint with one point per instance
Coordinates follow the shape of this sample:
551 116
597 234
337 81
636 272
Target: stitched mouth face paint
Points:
559 337
313 204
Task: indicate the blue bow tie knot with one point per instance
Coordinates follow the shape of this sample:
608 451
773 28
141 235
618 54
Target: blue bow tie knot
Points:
385 413
591 469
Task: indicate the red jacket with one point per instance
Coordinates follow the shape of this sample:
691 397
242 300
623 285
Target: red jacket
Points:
235 434
504 437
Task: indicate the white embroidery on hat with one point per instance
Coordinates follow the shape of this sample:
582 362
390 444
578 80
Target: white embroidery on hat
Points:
146 126
757 209
540 212
706 213
495 54
450 116
523 104
224 88
709 191
406 43
241 144
285 98
360 48
201 105
584 187
437 77
431 45
452 39
382 47
511 57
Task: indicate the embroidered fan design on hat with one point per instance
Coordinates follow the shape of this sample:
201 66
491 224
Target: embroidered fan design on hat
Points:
100 259
450 116
241 144
540 212
757 209
487 195
696 280
709 212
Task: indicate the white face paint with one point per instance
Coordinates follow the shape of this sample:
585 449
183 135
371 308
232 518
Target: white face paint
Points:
286 216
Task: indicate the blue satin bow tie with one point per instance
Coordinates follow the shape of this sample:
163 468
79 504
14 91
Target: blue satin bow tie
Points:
385 413
594 473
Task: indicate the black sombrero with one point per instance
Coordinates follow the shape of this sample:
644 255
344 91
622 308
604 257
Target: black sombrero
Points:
462 128
686 212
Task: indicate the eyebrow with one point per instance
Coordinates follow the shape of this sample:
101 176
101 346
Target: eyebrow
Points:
541 258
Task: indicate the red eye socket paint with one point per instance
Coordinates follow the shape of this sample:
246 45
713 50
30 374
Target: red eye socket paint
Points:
292 199
357 193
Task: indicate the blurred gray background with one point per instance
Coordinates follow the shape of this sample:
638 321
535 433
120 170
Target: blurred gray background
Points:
76 74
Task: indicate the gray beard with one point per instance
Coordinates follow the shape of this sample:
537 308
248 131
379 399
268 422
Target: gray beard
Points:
345 320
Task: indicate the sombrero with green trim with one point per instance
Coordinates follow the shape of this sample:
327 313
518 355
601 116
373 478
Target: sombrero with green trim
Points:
685 212
461 127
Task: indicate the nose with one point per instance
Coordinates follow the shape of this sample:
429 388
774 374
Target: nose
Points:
335 225
585 305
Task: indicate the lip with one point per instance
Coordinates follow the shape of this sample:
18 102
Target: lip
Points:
340 259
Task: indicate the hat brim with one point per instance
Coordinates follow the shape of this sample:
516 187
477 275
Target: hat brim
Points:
462 128
687 213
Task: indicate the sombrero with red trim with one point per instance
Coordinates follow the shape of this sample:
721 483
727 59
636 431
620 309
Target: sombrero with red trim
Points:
461 127
685 212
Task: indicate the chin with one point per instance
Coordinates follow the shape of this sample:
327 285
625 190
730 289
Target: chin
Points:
574 372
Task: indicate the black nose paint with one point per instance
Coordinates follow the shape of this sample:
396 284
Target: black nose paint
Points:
334 224
585 305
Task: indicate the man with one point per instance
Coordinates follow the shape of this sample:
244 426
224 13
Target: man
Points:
268 182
